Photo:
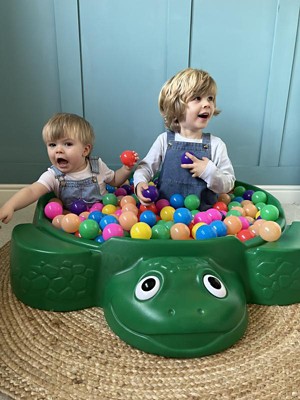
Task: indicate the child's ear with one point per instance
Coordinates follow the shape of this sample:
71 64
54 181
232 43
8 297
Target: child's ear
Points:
87 150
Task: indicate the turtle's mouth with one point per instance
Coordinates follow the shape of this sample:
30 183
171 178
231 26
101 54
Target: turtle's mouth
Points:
181 343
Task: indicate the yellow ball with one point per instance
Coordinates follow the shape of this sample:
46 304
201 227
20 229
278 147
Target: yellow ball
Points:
166 213
109 209
141 230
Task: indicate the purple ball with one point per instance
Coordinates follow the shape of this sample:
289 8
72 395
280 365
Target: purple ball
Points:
151 193
78 206
185 159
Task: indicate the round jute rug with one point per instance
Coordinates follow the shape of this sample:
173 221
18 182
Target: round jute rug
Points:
74 355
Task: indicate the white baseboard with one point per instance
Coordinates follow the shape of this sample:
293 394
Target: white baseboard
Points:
286 194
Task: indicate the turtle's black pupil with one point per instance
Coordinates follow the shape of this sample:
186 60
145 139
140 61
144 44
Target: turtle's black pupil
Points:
148 284
215 283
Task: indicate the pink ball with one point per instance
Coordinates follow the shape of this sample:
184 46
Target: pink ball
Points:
202 216
96 207
214 214
160 204
245 222
52 209
112 230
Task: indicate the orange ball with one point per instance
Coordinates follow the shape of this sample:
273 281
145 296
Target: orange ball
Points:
57 221
250 209
224 198
127 219
127 200
270 231
179 231
233 223
70 223
130 207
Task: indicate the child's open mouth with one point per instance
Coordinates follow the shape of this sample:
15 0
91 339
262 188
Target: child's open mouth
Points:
203 115
62 162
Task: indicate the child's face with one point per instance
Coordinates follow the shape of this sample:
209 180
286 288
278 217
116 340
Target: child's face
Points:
67 154
198 113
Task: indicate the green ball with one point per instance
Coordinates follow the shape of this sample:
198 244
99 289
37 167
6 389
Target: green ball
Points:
269 212
260 205
233 204
89 229
110 198
239 191
259 197
192 202
160 232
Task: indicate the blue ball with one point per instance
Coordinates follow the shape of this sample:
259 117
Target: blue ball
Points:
205 232
99 239
148 217
183 215
177 200
219 227
106 220
96 215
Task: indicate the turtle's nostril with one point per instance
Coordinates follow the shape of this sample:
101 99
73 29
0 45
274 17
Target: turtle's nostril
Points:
171 312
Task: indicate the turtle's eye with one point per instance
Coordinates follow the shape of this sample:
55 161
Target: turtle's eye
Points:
214 286
147 287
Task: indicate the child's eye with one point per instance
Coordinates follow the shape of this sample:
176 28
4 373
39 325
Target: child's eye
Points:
210 98
198 98
51 144
68 144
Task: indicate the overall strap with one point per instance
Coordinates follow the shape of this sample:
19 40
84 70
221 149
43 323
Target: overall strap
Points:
58 173
94 164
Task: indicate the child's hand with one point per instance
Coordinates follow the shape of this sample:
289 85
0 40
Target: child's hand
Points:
139 189
197 167
6 213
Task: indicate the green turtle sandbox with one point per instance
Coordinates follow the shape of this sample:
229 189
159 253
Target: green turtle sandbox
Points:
171 298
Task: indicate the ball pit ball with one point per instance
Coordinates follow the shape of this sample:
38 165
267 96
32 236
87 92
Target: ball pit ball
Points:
244 234
270 231
56 221
224 198
96 206
160 231
150 193
195 227
177 200
167 213
127 158
106 220
220 206
112 230
219 227
269 212
140 230
239 190
259 197
130 207
233 223
78 206
96 216
109 209
120 192
89 229
179 231
150 207
182 215
128 188
70 223
148 217
247 195
185 159
161 203
127 199
109 198
127 219
192 202
52 209
202 216
205 232
214 214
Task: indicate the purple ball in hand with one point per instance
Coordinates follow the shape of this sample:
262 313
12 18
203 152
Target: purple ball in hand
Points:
185 159
151 193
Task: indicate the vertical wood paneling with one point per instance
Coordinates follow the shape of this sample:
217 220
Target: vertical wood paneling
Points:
67 26
279 81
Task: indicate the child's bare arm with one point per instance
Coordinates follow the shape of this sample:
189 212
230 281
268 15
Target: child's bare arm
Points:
21 199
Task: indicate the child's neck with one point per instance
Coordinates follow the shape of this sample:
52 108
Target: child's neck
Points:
191 134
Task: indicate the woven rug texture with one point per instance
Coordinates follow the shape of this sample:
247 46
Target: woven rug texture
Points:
74 355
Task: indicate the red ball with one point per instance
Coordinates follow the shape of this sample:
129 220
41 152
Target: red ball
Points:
128 158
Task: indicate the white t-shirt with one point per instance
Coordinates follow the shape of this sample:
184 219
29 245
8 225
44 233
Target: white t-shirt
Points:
218 174
52 184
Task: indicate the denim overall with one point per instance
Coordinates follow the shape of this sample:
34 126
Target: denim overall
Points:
85 189
174 179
